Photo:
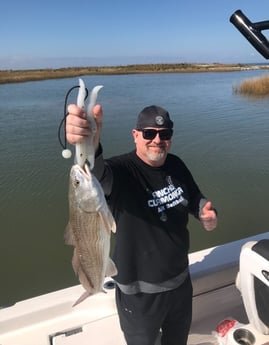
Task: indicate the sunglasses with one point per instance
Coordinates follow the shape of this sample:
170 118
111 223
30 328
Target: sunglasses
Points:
150 133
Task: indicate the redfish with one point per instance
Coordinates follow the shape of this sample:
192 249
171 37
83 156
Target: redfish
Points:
89 230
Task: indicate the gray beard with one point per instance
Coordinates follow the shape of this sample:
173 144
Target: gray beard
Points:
155 157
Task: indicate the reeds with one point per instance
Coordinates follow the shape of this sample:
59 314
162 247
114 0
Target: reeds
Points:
254 87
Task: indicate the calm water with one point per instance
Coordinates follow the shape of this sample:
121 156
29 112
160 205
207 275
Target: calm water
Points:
223 139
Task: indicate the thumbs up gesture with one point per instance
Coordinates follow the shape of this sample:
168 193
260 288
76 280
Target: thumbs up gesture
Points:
208 217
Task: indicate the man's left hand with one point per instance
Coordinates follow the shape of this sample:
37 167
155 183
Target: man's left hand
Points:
208 217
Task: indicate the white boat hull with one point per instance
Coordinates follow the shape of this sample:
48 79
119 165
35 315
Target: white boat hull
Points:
50 319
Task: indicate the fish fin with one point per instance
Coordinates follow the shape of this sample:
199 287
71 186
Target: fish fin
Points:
75 262
113 223
111 269
68 235
82 277
108 221
85 295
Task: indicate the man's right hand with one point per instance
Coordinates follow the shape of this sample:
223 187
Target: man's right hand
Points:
77 126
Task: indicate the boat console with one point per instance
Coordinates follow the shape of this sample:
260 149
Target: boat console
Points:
253 283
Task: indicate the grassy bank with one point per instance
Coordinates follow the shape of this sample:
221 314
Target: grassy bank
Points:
17 76
254 87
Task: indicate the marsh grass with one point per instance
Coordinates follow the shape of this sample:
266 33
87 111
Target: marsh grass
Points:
254 87
17 76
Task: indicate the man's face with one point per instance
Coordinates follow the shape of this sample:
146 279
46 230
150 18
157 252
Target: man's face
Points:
152 144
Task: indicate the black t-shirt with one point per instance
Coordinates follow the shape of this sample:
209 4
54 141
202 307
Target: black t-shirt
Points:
151 206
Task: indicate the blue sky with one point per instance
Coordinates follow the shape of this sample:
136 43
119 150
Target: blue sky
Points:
55 33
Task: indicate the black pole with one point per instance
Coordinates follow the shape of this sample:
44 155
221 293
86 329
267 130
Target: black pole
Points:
252 32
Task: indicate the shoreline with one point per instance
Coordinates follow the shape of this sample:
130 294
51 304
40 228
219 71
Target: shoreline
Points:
19 76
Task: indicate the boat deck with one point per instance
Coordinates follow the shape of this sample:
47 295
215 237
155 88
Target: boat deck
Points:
60 324
210 309
51 320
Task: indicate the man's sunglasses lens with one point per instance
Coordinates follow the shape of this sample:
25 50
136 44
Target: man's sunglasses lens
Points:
150 134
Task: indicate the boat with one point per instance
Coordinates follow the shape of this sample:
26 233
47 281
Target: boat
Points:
218 304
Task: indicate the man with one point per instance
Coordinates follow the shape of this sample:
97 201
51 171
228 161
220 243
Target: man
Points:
151 194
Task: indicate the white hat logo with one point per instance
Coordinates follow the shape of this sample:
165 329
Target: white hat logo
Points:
159 120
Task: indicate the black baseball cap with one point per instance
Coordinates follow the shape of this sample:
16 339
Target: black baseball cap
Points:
154 116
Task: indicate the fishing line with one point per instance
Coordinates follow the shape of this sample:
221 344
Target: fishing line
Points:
66 153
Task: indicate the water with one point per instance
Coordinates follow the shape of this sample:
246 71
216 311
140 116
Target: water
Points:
223 138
